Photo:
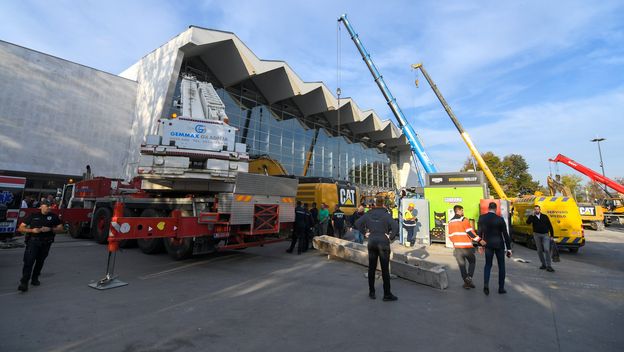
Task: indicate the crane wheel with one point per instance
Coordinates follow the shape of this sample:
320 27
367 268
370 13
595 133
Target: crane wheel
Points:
180 248
152 245
101 225
76 230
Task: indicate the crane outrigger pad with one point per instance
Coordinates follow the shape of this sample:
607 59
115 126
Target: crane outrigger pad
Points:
107 283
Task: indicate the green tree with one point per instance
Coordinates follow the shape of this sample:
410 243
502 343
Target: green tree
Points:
573 182
512 172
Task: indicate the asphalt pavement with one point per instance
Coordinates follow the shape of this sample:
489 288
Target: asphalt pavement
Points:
263 299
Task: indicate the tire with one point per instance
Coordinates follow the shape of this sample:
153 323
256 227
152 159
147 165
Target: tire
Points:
573 250
101 225
152 245
594 225
182 248
75 230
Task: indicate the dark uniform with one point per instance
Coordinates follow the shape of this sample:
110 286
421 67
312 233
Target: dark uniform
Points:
383 229
37 245
338 219
299 233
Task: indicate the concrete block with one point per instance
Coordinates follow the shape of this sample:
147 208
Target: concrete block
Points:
404 266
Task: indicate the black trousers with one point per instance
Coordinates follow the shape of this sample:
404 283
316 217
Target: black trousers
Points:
339 231
463 256
379 249
299 234
500 259
34 255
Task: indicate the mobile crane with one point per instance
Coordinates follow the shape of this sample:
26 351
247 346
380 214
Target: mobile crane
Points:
613 207
486 170
414 140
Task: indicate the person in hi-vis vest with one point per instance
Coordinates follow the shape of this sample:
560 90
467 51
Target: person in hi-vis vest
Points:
409 223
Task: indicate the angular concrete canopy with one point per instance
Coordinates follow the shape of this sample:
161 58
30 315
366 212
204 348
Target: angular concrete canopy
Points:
232 63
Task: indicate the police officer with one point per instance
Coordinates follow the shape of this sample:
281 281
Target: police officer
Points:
338 222
39 229
382 231
300 226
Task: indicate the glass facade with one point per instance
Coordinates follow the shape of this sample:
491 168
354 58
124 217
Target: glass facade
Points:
280 134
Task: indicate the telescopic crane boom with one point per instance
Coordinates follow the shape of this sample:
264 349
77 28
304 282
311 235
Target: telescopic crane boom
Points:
593 175
415 142
488 173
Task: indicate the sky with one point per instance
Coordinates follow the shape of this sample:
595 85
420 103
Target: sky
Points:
535 78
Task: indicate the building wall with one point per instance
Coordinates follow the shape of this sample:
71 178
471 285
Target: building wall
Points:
156 75
57 116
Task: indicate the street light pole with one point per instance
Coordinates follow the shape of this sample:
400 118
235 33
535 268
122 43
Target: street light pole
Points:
598 140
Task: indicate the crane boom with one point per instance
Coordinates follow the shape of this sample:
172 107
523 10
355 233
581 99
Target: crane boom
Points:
415 142
486 170
593 175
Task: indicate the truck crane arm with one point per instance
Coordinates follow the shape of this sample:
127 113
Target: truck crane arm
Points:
415 142
486 170
593 175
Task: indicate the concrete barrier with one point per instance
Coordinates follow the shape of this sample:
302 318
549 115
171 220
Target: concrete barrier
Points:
404 266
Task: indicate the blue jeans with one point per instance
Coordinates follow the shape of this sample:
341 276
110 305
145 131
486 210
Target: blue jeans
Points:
410 234
358 237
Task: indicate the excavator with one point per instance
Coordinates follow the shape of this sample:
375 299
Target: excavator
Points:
310 190
613 207
592 215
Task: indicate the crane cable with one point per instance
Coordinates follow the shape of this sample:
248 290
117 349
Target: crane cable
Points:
338 83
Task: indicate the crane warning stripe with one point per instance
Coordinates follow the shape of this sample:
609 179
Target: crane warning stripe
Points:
243 198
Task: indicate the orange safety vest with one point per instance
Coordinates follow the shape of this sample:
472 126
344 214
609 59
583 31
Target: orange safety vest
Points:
458 229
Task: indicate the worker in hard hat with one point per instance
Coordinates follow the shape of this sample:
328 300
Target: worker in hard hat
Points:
409 223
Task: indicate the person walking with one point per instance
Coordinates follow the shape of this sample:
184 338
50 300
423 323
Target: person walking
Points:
323 216
493 230
462 236
409 223
338 222
542 228
358 236
299 229
382 231
39 229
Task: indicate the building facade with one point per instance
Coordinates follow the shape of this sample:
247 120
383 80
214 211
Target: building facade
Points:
81 116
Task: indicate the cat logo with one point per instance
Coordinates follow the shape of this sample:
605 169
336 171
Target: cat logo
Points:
590 211
346 196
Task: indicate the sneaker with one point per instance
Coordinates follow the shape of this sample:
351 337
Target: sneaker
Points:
486 290
371 295
542 267
550 269
390 297
35 282
23 287
466 285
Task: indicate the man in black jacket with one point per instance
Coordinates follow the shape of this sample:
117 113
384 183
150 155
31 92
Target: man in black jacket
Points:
493 230
383 229
299 229
541 229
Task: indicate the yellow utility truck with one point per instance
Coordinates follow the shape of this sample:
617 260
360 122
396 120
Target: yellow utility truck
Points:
564 216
